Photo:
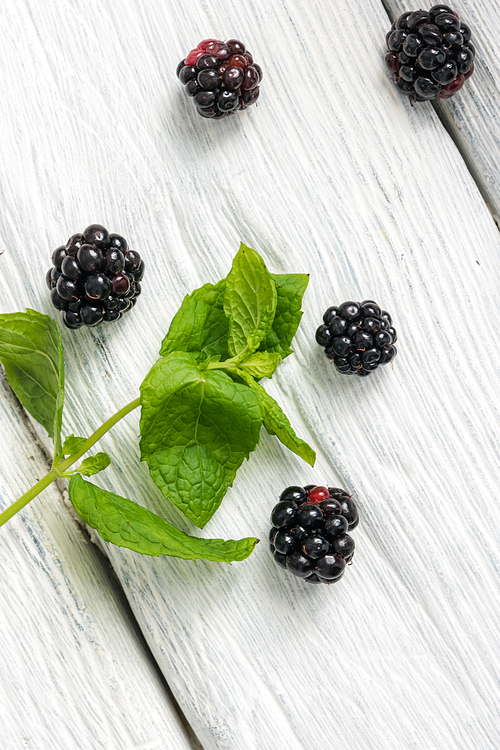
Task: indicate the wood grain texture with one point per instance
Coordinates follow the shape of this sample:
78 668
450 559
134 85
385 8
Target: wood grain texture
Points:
336 175
74 672
471 116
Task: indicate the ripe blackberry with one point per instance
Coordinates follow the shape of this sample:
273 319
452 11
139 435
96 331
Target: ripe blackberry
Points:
221 77
94 277
309 532
430 53
357 337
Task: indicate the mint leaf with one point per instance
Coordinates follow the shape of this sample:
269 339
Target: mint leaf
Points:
197 426
260 364
200 325
32 356
72 444
277 423
249 302
94 464
126 524
290 289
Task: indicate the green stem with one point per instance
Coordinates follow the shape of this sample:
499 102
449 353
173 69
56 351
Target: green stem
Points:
227 364
58 471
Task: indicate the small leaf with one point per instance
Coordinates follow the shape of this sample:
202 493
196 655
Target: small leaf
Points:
261 364
197 426
277 423
94 464
72 445
200 325
32 356
249 302
127 524
290 290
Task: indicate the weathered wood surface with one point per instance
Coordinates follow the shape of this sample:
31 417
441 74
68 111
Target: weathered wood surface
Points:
334 174
472 117
75 671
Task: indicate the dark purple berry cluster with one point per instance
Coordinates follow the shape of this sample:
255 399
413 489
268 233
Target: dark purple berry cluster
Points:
221 77
309 532
357 337
430 53
94 278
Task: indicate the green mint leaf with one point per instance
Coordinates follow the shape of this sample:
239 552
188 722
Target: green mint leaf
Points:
200 325
73 444
126 524
290 289
277 423
197 426
249 302
32 356
94 464
261 364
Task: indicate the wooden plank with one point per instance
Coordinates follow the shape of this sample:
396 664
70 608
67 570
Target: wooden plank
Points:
75 671
471 115
333 174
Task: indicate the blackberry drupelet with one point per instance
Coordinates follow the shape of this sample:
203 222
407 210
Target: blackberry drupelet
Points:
430 53
357 337
221 77
94 278
309 532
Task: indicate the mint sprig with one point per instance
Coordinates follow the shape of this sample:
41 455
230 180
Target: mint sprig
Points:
197 426
202 406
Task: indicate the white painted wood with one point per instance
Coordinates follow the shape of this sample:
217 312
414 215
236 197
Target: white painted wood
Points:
471 115
336 175
74 671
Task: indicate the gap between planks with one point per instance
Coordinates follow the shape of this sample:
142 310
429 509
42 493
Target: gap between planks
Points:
474 173
61 485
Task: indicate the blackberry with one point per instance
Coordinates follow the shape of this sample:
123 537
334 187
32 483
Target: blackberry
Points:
309 532
221 77
94 277
430 53
357 337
